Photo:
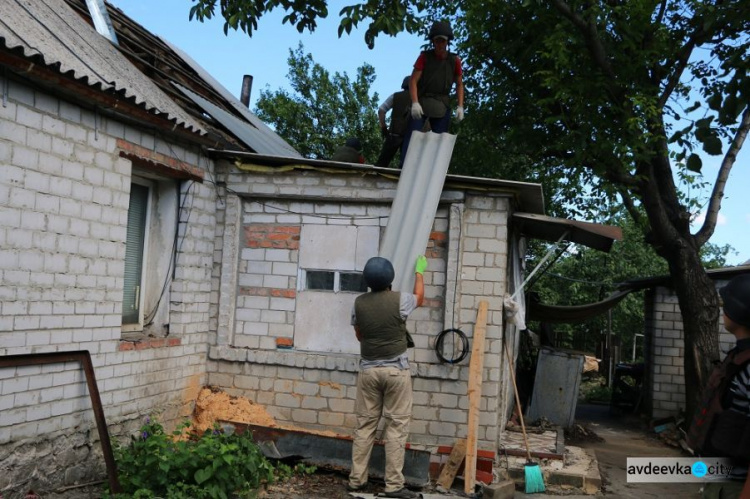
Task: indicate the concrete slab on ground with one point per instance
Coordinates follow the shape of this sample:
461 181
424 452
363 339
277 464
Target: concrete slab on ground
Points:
578 470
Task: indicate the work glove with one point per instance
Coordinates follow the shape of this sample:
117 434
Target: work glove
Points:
459 114
416 111
421 265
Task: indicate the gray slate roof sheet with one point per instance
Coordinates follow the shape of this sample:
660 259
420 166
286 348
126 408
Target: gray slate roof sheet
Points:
51 30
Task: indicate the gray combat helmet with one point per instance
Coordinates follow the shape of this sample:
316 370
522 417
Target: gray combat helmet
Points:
736 297
378 273
405 83
441 28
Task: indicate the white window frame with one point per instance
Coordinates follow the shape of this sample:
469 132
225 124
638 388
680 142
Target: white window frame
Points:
138 326
302 280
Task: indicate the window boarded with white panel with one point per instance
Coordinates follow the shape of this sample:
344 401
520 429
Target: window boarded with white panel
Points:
331 259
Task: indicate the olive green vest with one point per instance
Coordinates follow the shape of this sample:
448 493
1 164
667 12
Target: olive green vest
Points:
438 76
400 112
381 327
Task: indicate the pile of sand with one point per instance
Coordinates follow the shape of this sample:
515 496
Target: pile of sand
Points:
213 405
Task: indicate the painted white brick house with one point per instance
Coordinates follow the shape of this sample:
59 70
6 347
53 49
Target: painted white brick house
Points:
179 254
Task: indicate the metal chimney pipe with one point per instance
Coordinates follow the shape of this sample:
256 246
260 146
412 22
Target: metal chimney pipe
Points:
247 86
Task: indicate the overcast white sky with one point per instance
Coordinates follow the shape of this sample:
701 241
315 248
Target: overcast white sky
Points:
264 57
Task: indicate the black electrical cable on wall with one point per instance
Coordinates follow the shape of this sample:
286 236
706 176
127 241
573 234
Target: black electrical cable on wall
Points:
453 331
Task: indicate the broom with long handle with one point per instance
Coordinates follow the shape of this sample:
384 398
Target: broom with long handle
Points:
532 473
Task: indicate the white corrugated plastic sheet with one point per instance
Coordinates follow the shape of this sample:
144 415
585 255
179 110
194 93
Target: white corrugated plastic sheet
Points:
415 204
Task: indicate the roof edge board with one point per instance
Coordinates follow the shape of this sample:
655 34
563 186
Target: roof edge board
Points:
592 235
529 195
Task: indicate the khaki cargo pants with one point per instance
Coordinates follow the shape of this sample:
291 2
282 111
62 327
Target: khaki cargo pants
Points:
386 392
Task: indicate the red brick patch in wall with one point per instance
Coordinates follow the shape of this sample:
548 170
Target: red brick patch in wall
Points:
284 342
275 292
272 236
147 343
439 239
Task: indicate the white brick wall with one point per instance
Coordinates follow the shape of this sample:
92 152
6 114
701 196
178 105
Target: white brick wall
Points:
667 378
327 396
64 195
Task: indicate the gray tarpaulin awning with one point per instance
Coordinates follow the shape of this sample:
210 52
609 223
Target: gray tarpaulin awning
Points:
572 313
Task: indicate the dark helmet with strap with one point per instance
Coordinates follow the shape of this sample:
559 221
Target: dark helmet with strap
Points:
736 297
378 273
441 28
405 83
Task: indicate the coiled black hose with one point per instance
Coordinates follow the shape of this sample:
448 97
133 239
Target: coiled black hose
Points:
441 339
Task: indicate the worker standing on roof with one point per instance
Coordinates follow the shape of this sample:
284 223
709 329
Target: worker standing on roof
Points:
433 77
399 103
384 381
350 152
721 425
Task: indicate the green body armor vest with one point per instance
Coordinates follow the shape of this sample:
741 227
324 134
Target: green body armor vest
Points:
381 327
434 86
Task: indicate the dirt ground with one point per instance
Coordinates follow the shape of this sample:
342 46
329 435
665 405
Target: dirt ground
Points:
628 436
612 437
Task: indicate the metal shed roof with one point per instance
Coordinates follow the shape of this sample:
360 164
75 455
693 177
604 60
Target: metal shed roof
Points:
589 234
51 31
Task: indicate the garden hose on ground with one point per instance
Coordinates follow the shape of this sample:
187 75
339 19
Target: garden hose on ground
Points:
441 340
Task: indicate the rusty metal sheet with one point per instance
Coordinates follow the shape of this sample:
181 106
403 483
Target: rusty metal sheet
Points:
333 452
558 376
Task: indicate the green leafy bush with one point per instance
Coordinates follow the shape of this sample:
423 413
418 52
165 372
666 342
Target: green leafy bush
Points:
182 465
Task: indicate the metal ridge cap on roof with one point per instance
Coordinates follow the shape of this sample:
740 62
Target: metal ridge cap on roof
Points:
531 194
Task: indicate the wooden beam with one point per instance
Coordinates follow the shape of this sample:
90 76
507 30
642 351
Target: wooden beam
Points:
448 474
476 369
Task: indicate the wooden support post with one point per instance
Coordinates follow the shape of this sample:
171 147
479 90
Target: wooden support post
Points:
476 369
454 462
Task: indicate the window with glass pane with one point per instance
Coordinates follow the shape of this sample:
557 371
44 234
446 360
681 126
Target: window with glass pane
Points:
320 279
131 304
352 281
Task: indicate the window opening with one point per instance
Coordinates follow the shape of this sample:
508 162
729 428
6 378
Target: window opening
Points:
134 254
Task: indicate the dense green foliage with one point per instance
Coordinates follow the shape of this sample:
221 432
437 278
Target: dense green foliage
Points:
323 109
180 466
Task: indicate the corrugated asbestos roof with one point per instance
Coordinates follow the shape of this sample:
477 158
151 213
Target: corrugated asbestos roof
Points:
50 30
258 136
